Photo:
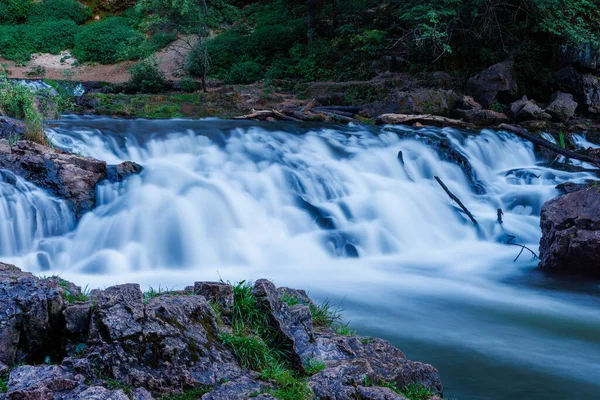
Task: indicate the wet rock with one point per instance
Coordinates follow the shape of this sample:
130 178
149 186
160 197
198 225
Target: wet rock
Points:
67 176
570 187
120 172
293 323
219 292
562 107
495 84
571 233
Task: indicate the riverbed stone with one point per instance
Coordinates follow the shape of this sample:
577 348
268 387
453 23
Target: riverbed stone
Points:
570 240
495 84
562 107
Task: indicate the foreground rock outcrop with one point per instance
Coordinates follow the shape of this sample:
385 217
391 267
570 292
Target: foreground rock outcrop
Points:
571 233
120 343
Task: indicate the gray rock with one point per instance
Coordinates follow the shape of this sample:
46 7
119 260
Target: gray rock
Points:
67 176
570 240
141 394
11 129
562 107
531 111
426 101
243 388
219 292
77 318
584 86
497 83
40 382
119 313
467 103
30 316
120 172
293 323
482 117
378 393
99 393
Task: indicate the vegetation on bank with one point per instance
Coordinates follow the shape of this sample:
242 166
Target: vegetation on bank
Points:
306 40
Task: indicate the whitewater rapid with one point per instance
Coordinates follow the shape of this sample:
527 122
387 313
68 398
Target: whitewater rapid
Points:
333 210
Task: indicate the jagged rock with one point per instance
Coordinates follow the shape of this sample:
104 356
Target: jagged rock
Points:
570 187
585 87
67 176
497 83
584 55
378 393
299 294
170 343
77 318
571 233
293 323
11 129
30 316
40 382
220 292
243 388
99 393
482 117
526 110
120 172
562 107
467 103
141 394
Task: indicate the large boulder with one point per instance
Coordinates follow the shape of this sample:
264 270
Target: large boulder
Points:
482 117
68 176
527 110
425 101
495 84
571 233
562 107
585 87
11 129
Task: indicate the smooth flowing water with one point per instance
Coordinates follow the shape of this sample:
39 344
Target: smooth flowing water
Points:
334 210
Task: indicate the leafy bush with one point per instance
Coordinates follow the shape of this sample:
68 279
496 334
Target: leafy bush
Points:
146 77
54 10
188 84
17 101
50 37
107 42
245 72
227 49
14 11
12 45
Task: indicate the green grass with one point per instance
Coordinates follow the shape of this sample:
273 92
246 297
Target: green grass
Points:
344 330
290 300
251 351
325 314
314 365
412 391
83 296
115 384
4 383
191 394
561 140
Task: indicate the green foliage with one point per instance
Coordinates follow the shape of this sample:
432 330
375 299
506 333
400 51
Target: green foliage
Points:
325 314
55 10
17 101
498 107
83 296
108 41
14 11
415 391
4 382
51 37
314 366
190 394
188 84
245 72
344 330
561 140
146 77
251 351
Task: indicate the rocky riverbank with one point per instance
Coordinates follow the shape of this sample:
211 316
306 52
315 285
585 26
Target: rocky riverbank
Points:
210 341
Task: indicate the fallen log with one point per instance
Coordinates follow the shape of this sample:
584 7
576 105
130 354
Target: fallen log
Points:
338 117
544 143
260 115
311 104
456 199
284 117
425 119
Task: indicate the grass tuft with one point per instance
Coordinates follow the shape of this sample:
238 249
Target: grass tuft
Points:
314 366
416 391
344 330
325 314
4 382
191 394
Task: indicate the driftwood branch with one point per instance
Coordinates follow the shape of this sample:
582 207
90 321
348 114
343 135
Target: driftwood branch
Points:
311 104
425 119
456 199
544 143
509 242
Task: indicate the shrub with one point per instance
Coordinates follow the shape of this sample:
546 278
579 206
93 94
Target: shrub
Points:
50 37
54 10
14 11
107 42
146 77
245 72
227 49
17 101
196 63
188 84
12 45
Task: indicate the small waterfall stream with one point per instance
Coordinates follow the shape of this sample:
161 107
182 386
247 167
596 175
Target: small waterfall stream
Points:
333 210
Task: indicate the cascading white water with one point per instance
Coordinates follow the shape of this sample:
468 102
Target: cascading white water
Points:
28 215
298 204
